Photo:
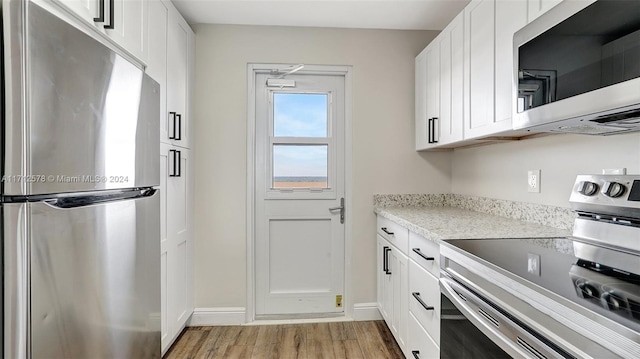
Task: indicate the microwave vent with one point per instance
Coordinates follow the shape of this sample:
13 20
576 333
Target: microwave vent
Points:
631 117
586 129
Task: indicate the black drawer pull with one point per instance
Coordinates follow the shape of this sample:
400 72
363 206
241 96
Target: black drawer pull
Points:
385 230
423 304
418 252
416 354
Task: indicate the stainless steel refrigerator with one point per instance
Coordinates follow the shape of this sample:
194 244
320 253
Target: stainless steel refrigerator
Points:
80 209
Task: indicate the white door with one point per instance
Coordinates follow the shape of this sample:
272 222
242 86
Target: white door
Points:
300 176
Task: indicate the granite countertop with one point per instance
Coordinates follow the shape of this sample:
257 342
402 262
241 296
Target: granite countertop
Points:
444 222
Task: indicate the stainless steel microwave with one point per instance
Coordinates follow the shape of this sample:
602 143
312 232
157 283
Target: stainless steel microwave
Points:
577 69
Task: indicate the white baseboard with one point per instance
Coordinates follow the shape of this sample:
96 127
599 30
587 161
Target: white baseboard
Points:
237 315
366 311
217 316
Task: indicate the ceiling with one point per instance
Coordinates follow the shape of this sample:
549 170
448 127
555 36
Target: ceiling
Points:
367 14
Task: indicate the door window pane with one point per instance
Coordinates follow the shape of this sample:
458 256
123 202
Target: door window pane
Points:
299 115
300 166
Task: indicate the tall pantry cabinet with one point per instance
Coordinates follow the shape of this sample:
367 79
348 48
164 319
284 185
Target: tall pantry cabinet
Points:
171 51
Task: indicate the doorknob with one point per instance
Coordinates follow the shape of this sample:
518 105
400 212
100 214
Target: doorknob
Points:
341 208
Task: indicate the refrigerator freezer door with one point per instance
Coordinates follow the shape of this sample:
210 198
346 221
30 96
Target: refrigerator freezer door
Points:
95 280
92 117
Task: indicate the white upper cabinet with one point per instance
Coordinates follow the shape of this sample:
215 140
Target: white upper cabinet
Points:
449 123
421 100
124 21
439 84
539 7
170 49
178 33
511 16
489 30
479 52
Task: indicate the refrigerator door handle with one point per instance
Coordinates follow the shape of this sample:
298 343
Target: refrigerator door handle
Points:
88 200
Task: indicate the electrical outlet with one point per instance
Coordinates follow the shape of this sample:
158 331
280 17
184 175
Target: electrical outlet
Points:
533 181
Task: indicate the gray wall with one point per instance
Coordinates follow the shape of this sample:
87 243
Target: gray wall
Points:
384 160
500 170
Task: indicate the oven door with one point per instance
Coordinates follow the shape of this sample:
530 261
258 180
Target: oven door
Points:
491 324
460 339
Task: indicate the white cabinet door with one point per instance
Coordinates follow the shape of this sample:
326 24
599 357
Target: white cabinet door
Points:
400 291
511 16
384 280
176 244
178 33
157 64
421 100
427 95
539 7
450 122
125 23
85 9
479 64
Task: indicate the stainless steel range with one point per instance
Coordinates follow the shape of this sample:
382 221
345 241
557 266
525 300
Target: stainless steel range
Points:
574 297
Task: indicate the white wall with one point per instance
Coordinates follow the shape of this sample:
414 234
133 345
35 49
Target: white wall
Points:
500 170
384 160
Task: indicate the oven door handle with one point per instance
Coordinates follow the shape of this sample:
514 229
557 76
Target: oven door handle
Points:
447 286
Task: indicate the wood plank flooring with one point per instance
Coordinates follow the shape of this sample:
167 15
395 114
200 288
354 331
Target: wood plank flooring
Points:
338 340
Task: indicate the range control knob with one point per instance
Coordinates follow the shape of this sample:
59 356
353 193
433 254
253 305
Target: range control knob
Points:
588 188
614 189
613 302
588 291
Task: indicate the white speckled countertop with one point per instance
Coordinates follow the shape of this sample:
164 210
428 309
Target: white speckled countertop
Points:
444 222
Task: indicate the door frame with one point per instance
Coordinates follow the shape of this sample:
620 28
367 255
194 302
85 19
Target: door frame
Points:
252 70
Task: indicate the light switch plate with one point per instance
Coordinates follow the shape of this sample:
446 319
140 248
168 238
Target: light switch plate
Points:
533 263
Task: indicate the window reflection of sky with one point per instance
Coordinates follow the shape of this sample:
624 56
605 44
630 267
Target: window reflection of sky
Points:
299 115
300 161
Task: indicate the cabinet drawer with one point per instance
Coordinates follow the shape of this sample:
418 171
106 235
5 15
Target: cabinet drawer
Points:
394 233
419 248
426 288
421 346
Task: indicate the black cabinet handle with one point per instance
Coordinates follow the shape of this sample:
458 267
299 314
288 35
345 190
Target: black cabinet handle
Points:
100 17
433 129
416 354
386 255
176 170
179 137
429 140
418 252
384 229
384 258
172 135
111 6
416 295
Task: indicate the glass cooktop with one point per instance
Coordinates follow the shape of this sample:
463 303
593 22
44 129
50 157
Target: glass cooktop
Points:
552 264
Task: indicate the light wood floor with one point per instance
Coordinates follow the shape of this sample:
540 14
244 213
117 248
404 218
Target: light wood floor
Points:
352 340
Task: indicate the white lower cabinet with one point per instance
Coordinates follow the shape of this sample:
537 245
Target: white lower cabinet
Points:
393 289
409 289
421 346
176 248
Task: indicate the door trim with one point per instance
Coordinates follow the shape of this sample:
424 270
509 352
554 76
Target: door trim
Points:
252 70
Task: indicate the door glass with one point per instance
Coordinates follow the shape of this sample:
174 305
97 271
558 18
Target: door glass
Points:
300 115
300 166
